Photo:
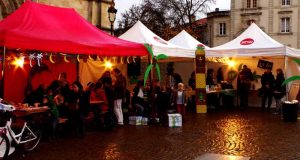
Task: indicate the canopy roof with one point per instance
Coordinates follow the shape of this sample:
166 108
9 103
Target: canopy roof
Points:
52 29
141 34
252 42
185 40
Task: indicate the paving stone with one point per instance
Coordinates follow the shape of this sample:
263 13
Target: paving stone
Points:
249 133
213 156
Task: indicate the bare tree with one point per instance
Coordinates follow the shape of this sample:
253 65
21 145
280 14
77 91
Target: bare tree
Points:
165 17
187 10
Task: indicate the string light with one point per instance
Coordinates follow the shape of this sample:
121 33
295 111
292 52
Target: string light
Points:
231 63
108 65
19 62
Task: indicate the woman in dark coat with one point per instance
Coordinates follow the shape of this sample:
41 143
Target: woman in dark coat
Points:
279 89
192 81
220 75
77 104
105 78
267 84
210 77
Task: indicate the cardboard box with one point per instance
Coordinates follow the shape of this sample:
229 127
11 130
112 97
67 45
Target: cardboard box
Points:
175 120
135 120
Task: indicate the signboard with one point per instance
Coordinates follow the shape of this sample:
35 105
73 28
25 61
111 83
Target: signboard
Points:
265 64
247 41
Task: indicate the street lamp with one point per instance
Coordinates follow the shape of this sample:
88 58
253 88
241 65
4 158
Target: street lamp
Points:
112 11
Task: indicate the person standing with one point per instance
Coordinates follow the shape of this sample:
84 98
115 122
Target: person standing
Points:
279 89
172 79
210 78
267 83
61 87
220 75
192 81
244 84
179 100
163 104
138 98
105 78
119 87
77 106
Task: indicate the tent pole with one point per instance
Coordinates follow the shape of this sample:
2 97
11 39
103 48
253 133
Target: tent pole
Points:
285 72
152 87
77 71
3 70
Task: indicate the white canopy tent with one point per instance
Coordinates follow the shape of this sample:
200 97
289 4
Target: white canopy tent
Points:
252 42
141 34
185 40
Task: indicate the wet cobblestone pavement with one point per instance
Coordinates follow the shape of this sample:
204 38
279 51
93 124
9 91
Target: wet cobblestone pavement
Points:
261 136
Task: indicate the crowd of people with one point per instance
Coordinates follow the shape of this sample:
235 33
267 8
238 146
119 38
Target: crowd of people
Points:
73 102
271 87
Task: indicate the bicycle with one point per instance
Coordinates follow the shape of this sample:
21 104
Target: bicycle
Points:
29 136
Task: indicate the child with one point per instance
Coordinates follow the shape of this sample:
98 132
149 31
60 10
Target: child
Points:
53 103
179 100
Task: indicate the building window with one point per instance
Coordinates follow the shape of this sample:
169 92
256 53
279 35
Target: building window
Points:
286 2
248 5
222 29
254 3
249 22
285 25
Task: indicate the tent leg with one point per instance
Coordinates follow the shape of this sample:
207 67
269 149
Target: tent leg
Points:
3 70
77 71
285 72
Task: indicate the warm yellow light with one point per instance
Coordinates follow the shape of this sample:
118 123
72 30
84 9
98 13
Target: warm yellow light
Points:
108 65
19 62
231 63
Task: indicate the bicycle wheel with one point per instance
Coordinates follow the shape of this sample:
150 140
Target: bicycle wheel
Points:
34 135
4 147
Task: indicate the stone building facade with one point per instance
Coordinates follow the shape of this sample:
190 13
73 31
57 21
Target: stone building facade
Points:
278 18
95 11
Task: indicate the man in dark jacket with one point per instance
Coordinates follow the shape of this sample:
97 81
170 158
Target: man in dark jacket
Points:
244 84
119 93
267 86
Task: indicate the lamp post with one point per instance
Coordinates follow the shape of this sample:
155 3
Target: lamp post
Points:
112 11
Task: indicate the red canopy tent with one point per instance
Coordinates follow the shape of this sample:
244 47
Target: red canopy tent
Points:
52 29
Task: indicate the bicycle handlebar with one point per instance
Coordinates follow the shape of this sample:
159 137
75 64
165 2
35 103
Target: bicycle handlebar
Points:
6 107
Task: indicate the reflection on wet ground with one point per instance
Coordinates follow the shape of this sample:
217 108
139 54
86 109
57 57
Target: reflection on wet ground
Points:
250 133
